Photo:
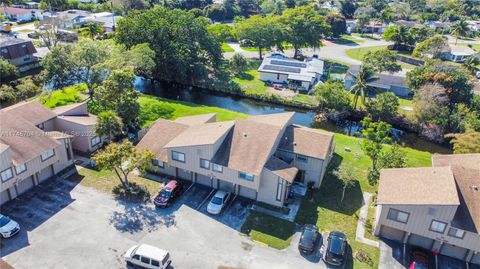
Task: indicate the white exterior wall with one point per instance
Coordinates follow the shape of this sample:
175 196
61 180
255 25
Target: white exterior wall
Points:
273 77
267 192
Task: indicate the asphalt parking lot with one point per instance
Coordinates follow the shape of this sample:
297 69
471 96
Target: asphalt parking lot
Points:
64 225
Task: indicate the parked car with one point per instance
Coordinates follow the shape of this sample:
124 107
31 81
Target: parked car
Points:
336 252
168 194
146 256
308 239
219 200
21 21
8 227
419 258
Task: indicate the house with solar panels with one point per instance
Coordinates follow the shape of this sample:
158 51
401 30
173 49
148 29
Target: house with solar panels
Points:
295 74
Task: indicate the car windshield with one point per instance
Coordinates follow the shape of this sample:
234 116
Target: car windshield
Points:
4 221
336 246
419 265
217 200
165 194
307 235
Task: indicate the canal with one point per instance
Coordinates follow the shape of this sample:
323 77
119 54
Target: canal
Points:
252 107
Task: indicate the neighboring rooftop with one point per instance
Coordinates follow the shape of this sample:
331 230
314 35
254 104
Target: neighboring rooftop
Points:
13 48
295 69
466 171
299 139
462 50
385 81
417 186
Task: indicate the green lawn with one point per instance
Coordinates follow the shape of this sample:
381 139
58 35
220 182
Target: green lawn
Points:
473 46
152 108
359 53
227 48
65 96
348 40
265 229
323 207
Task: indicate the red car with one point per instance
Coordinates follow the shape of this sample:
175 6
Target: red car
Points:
419 259
168 194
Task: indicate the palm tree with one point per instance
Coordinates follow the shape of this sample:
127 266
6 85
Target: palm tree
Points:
471 64
361 88
459 29
92 29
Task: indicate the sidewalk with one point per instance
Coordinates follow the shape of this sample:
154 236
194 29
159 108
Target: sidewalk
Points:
362 220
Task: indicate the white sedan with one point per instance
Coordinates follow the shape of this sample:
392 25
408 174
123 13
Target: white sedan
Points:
8 227
219 200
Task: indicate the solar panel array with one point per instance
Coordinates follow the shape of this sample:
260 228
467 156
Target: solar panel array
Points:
288 63
282 68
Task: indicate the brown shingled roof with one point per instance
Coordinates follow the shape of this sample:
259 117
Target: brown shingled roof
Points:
466 170
278 119
83 120
203 134
248 146
33 112
417 186
281 169
197 119
159 134
307 141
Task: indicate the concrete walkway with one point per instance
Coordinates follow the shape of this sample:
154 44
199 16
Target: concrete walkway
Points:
362 219
293 206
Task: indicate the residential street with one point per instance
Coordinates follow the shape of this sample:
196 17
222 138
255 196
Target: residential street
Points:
71 226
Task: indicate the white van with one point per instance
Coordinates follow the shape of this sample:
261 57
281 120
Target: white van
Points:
147 256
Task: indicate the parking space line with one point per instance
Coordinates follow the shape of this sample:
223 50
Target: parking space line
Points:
204 200
189 187
230 203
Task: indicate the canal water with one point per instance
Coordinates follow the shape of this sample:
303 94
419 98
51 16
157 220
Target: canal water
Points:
252 107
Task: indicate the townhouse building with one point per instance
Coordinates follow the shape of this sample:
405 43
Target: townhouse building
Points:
258 158
35 145
436 208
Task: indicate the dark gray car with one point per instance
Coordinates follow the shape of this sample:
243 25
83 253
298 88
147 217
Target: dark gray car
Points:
308 239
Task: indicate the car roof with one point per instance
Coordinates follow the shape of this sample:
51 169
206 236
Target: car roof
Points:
338 234
220 194
170 185
151 252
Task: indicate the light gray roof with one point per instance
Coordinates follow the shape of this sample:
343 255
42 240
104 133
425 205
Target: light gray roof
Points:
384 81
296 70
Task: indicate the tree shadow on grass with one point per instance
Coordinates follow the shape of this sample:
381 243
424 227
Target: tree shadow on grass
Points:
329 195
343 41
137 213
245 76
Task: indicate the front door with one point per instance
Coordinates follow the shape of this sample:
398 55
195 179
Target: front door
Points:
300 177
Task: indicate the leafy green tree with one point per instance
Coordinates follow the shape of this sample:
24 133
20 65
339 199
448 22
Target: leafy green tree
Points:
348 8
332 95
264 32
92 29
361 88
108 124
128 107
468 142
399 35
215 12
123 159
89 57
58 66
337 24
7 70
382 60
429 102
459 29
222 32
290 3
420 33
364 15
394 157
26 88
238 64
184 48
347 178
431 47
378 5
402 11
384 106
375 134
7 94
471 64
303 27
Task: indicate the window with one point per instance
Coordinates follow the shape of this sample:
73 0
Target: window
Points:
302 158
41 126
20 169
217 168
204 164
136 257
145 260
279 189
178 156
246 176
398 215
158 163
95 141
67 148
6 174
47 154
454 232
156 263
438 226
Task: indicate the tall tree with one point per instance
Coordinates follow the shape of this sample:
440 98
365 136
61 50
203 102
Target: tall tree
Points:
7 70
184 48
383 107
348 8
303 27
58 66
123 158
108 124
432 47
382 60
399 35
337 24
361 88
459 29
92 29
264 32
364 15
89 57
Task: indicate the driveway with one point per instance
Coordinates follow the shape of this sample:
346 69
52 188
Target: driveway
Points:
65 225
